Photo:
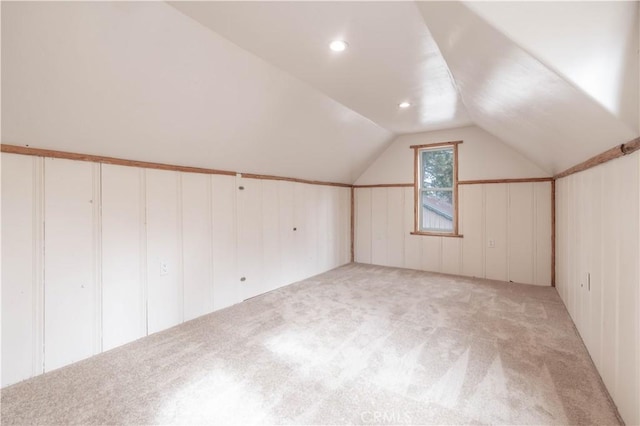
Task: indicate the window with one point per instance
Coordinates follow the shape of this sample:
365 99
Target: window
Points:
436 189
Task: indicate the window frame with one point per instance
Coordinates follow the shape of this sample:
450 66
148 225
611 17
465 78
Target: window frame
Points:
417 187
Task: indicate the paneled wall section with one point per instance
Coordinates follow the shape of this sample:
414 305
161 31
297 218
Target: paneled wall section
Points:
97 255
506 231
598 271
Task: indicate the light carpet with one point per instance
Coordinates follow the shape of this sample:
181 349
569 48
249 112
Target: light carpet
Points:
360 344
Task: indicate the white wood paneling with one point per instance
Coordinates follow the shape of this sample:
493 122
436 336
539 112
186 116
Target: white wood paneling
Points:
432 254
164 285
22 287
225 277
197 244
133 251
520 243
451 258
288 265
471 227
412 243
363 225
395 228
71 313
271 247
598 236
520 252
325 233
542 226
496 210
344 226
250 249
379 229
124 316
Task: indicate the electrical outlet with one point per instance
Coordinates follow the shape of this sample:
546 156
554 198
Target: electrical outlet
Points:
492 243
164 268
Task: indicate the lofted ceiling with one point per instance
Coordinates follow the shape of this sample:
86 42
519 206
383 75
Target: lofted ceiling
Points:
253 86
391 57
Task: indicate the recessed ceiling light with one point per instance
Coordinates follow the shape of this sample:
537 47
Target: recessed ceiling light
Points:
338 45
404 105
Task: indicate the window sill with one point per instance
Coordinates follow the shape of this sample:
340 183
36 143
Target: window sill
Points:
437 234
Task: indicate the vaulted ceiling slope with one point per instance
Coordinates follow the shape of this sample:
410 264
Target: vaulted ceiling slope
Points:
557 81
592 44
253 87
140 80
509 92
391 56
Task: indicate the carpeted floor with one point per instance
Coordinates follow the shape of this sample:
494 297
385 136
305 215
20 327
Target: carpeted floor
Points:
360 344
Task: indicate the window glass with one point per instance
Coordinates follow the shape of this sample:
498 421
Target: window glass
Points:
436 194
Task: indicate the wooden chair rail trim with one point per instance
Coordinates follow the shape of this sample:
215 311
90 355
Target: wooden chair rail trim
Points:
386 185
606 156
310 182
517 180
13 149
22 150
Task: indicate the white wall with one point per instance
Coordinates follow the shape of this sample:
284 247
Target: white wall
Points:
481 156
598 271
516 216
95 256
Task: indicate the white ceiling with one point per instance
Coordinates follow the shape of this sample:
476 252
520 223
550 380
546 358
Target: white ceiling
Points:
391 56
253 86
516 97
142 81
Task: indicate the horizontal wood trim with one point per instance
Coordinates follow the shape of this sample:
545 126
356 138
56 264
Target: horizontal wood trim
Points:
631 147
22 150
435 145
386 185
436 234
519 180
608 155
310 182
13 149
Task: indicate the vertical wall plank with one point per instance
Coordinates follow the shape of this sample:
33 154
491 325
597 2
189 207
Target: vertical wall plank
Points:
379 226
472 227
594 234
70 334
628 309
542 233
432 255
496 208
395 227
288 265
123 231
164 288
344 211
520 245
225 274
412 243
20 247
197 244
324 233
250 249
271 236
363 225
451 261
